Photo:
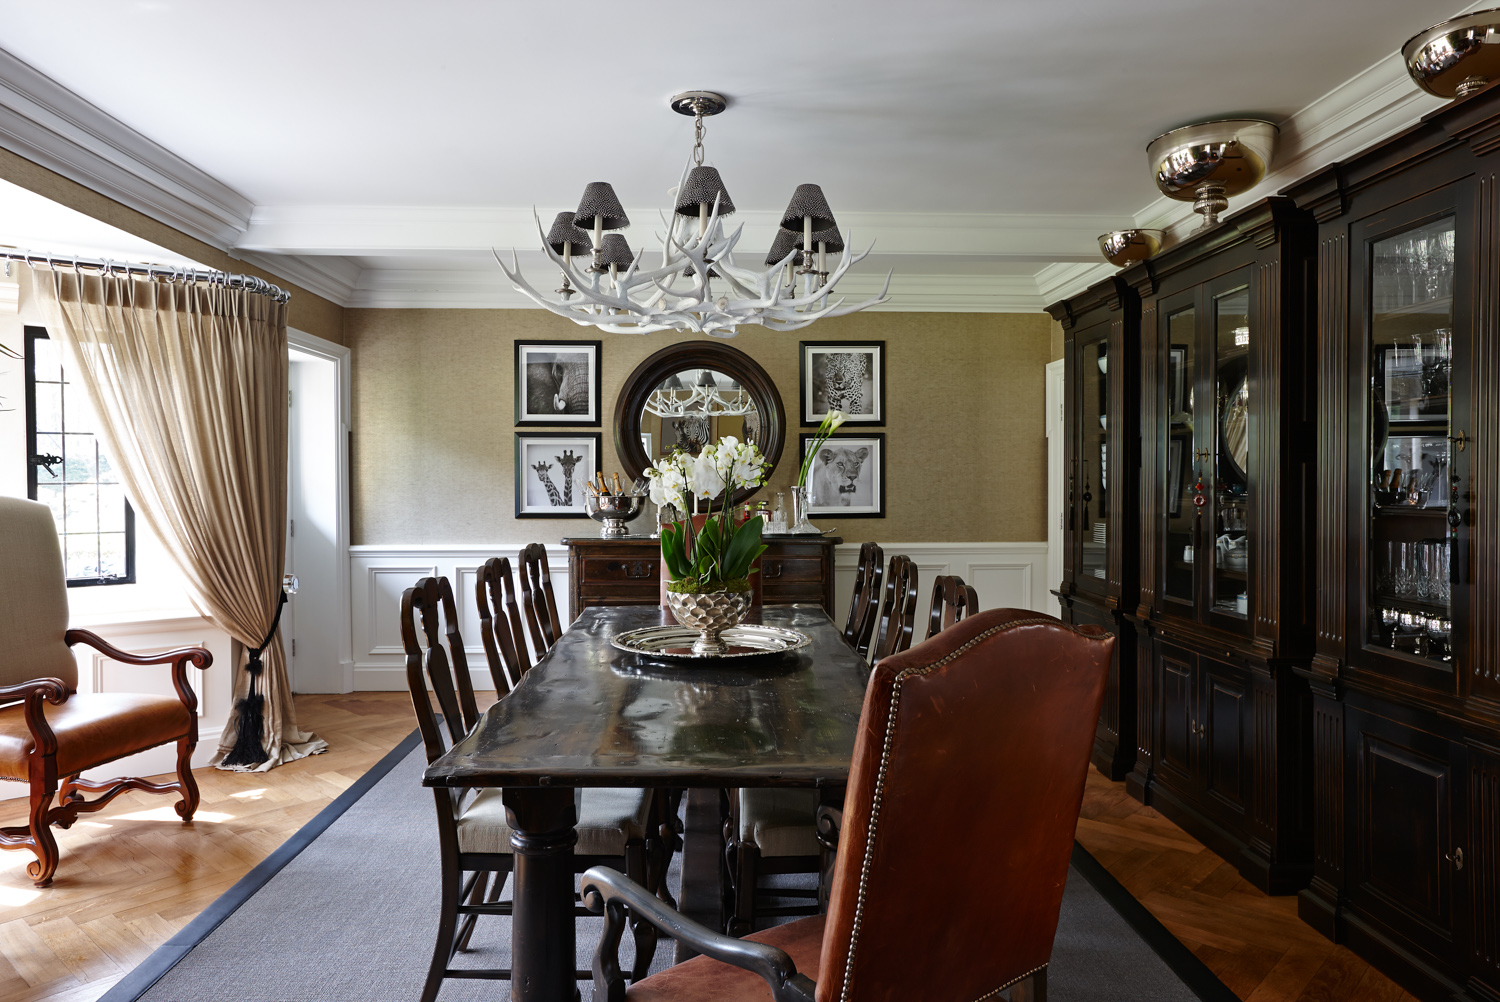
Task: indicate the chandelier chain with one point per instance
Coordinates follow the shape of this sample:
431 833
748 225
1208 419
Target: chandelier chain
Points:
698 131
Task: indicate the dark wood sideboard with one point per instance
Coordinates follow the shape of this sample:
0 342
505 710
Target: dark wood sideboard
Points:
626 571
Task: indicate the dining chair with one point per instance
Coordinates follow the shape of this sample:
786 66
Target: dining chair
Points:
537 599
864 603
615 826
1012 695
952 600
500 628
898 612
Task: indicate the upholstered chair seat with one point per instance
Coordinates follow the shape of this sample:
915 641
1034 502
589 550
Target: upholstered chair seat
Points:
92 729
607 820
704 979
50 732
780 822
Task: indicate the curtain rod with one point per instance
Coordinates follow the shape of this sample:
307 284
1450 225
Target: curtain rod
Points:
247 282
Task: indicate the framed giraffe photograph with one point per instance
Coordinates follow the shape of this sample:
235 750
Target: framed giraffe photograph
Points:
843 375
551 467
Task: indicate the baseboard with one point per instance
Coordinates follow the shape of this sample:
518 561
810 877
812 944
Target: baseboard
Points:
1012 575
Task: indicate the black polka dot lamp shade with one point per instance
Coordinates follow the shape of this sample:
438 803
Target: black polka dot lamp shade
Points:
830 238
702 186
615 251
564 233
785 243
808 200
599 200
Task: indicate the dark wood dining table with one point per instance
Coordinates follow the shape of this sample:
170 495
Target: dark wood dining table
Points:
591 715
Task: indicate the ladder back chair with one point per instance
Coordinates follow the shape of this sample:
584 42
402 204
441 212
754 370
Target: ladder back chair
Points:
500 628
1015 696
864 603
538 600
898 613
614 826
49 731
952 600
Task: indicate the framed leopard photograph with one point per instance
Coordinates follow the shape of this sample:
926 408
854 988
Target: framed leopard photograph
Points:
557 382
843 375
847 479
551 467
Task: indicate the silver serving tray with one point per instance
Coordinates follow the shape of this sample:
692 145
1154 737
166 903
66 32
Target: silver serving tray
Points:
675 643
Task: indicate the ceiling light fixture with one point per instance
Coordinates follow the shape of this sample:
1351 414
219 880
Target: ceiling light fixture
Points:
615 294
704 398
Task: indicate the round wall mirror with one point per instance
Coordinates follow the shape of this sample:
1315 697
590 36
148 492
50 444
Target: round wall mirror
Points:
688 395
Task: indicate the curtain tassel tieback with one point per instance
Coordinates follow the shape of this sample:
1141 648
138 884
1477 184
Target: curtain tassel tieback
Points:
250 711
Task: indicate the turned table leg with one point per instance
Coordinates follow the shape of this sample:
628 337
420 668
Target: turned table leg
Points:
543 948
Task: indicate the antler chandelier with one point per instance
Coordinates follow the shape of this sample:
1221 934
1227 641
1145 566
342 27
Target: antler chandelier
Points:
616 294
673 398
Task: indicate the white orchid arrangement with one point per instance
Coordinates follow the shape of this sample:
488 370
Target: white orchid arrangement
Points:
830 425
718 557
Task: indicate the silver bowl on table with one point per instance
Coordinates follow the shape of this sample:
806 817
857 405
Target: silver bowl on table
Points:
613 511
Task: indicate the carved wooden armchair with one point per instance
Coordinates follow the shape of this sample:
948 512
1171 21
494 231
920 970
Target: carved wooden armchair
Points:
973 745
49 732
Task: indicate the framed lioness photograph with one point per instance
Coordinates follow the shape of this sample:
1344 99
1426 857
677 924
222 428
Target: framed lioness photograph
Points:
847 478
557 382
847 376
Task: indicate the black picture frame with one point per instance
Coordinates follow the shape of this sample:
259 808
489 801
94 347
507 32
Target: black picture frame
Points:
530 395
874 463
529 502
809 387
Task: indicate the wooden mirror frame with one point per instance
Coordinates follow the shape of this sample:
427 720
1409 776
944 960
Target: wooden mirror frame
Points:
697 355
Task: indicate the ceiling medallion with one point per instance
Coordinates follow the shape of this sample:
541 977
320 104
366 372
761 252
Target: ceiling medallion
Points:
613 292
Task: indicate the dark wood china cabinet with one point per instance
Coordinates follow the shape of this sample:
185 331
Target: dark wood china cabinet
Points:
1406 677
1101 329
1226 483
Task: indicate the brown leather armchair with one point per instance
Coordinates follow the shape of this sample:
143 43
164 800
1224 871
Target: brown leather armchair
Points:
48 730
999 708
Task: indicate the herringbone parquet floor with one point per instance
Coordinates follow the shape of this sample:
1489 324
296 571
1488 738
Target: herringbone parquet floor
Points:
131 876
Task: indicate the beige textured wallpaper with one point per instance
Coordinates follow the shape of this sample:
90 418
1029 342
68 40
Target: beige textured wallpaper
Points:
434 421
1057 339
306 311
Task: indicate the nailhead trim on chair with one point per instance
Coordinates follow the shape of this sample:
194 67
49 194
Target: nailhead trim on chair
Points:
885 755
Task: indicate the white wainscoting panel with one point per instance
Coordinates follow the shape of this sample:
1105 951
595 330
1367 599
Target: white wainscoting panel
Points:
1005 575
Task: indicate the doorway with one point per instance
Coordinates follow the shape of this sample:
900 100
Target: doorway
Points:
315 622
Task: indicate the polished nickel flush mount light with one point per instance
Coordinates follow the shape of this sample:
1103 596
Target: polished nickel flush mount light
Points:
1122 248
615 293
1207 163
1457 57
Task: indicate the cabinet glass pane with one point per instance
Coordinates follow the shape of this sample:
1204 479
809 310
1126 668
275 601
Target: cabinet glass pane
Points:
1411 345
1232 446
1094 404
1181 474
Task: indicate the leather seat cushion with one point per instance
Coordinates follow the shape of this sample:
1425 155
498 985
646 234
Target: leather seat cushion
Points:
705 980
781 822
92 729
607 818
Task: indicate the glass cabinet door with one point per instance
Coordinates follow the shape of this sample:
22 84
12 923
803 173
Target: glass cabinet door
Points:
1410 572
1182 468
1093 467
1232 444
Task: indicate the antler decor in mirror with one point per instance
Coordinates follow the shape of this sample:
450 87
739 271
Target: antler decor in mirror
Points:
691 394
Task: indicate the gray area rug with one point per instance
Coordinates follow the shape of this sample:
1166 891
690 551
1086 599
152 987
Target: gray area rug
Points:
353 915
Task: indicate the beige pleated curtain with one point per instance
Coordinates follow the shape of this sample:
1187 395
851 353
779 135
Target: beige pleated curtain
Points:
189 383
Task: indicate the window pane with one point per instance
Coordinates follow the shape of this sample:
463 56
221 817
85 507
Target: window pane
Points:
111 508
49 407
79 452
52 497
82 502
82 555
49 445
112 554
78 412
48 366
107 474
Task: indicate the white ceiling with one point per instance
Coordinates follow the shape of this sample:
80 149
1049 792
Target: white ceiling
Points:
983 143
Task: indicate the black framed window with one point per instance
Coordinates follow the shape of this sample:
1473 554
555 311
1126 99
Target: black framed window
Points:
67 469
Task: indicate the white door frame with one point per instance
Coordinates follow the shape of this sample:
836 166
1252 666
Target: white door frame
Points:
343 409
1056 431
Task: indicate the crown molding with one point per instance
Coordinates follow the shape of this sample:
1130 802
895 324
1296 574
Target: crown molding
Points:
464 289
50 125
333 278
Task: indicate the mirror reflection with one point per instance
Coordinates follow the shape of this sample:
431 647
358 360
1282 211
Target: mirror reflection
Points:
694 407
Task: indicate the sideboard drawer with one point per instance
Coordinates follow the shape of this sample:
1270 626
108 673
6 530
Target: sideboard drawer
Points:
622 569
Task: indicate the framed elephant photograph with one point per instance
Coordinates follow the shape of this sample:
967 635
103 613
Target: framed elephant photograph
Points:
843 375
557 382
551 467
847 478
